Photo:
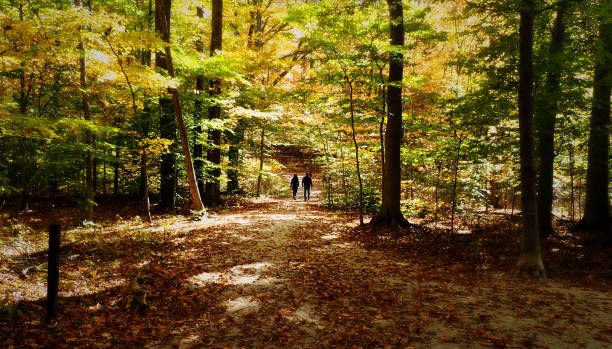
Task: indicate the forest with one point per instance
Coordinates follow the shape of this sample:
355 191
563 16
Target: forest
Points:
459 153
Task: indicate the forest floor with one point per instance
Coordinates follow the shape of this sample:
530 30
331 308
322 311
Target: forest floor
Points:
277 272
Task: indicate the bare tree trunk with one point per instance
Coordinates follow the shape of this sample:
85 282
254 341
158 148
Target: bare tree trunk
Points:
167 124
390 213
198 161
196 201
116 165
89 181
597 204
530 260
439 169
352 107
261 158
545 121
213 188
382 126
455 175
344 186
571 157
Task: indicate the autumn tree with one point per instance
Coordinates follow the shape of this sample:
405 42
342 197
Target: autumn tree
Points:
167 119
545 117
390 213
213 187
530 260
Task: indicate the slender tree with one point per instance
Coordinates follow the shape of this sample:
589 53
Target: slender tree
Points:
597 205
198 161
530 260
89 167
213 188
390 213
546 112
196 200
167 123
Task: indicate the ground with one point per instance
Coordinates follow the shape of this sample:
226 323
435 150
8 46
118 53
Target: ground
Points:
277 272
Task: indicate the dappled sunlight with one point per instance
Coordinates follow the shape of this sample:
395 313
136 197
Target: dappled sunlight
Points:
242 305
246 274
305 313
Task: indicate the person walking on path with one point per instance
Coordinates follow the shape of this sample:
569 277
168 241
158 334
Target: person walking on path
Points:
307 183
295 184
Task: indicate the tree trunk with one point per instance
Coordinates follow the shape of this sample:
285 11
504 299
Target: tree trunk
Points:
261 158
545 121
439 170
344 186
390 213
455 176
213 188
89 180
571 170
198 160
233 154
381 127
530 260
597 205
167 125
116 165
350 84
196 201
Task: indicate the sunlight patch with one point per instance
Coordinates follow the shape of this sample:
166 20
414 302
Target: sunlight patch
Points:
305 313
330 236
242 305
245 274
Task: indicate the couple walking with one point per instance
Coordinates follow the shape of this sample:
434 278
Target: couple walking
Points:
306 183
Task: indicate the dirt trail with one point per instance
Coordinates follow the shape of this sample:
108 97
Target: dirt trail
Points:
310 287
278 273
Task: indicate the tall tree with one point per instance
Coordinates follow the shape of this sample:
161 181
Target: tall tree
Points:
546 112
597 205
89 167
530 260
198 161
167 123
213 188
390 213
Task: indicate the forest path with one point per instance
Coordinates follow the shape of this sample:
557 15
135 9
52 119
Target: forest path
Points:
296 281
274 272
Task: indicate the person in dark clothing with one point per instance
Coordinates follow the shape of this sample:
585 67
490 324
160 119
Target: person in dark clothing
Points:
295 184
307 183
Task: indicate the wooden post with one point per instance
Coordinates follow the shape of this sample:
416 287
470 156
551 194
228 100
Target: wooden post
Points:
53 271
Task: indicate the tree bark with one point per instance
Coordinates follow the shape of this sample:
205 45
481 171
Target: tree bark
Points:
350 84
390 213
116 165
196 200
167 123
530 260
233 154
89 180
545 122
198 160
213 188
597 205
